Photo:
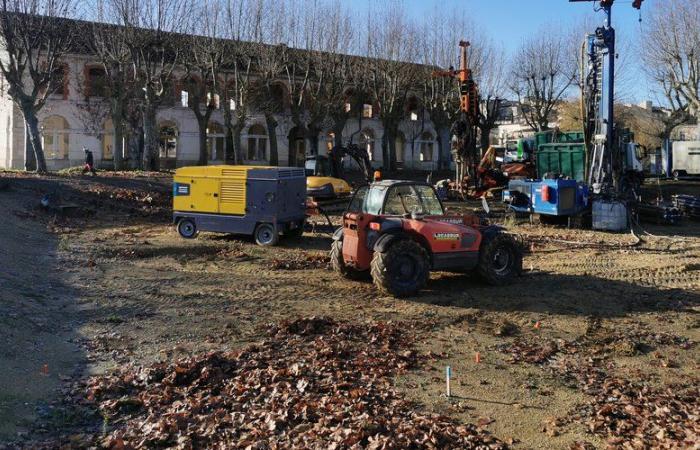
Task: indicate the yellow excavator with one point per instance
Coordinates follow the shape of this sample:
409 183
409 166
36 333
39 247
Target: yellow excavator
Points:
326 182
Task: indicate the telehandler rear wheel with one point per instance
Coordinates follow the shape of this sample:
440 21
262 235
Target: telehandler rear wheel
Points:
402 270
338 264
500 259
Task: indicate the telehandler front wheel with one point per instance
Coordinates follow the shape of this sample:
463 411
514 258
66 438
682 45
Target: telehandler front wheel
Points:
500 259
402 270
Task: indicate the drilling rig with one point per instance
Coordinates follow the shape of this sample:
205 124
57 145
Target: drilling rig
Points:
464 130
605 158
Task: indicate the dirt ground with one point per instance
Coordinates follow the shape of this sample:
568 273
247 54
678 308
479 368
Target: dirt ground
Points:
108 281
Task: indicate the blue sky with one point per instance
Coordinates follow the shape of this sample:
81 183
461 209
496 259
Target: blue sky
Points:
510 21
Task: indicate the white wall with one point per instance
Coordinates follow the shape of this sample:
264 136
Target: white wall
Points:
85 131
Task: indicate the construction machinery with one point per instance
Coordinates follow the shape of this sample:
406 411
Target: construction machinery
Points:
611 168
326 183
398 231
485 172
464 130
259 201
605 158
492 173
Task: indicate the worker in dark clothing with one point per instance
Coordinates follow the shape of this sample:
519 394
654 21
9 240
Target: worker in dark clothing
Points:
89 162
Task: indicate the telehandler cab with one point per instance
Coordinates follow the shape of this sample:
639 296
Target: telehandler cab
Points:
398 232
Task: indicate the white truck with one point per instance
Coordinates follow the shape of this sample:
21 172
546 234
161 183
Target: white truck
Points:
684 159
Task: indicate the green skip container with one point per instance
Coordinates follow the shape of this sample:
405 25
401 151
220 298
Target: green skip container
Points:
568 160
558 137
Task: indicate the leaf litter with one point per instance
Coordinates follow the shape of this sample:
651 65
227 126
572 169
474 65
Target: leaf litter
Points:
313 383
628 414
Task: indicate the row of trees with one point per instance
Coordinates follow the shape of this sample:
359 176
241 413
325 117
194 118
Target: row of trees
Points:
314 60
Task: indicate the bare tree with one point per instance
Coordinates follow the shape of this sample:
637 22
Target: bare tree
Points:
34 38
269 95
317 75
543 70
391 72
243 27
490 75
109 44
671 53
203 60
150 28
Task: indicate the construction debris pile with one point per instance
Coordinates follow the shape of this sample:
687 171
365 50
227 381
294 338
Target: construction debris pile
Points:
313 384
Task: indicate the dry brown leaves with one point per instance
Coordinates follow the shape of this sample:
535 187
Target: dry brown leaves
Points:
135 201
313 384
303 262
629 414
633 415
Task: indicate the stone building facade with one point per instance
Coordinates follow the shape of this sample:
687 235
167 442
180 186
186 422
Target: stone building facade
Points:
70 122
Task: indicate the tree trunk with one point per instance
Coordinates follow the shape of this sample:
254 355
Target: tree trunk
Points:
133 149
392 152
118 123
312 138
338 127
442 162
485 139
151 154
34 134
388 148
237 130
272 137
203 153
229 144
118 145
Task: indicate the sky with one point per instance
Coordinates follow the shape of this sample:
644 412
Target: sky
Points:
508 22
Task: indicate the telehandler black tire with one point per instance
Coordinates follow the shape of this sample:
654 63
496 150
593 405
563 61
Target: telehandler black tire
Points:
339 266
402 270
500 259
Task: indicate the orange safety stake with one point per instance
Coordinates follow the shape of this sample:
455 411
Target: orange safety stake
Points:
537 325
45 369
477 357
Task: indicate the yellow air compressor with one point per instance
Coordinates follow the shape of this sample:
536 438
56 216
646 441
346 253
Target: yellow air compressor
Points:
261 201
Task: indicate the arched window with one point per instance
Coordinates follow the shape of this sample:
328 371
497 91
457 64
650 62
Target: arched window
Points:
168 140
56 136
426 146
215 142
367 142
257 143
